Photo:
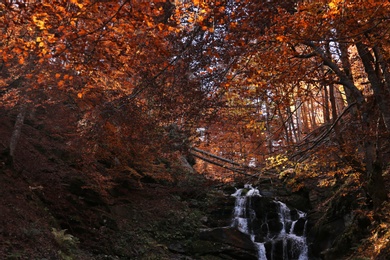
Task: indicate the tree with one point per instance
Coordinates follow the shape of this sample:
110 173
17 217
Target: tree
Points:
105 59
313 43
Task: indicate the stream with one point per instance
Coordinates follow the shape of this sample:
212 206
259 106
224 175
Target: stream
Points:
277 231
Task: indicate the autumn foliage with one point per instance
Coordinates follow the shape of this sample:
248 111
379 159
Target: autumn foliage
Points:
130 91
305 78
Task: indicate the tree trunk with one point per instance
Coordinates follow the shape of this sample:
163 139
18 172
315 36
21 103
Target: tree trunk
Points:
332 99
340 101
305 118
383 64
299 123
17 131
376 184
312 115
268 129
326 105
374 178
381 93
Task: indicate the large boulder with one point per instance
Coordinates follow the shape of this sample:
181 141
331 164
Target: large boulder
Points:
230 236
223 243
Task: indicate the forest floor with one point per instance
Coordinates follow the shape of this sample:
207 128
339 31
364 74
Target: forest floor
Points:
54 207
58 215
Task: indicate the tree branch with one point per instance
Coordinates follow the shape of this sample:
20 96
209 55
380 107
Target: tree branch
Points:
216 157
325 134
237 170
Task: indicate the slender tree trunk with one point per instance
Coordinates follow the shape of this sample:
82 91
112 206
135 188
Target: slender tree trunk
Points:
290 122
332 99
285 127
312 115
340 101
326 105
298 105
344 56
268 128
305 118
17 131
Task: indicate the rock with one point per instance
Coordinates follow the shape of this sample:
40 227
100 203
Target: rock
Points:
225 241
335 229
267 217
177 248
228 235
204 220
186 165
220 211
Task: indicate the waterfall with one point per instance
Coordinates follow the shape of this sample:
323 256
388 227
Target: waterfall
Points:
277 231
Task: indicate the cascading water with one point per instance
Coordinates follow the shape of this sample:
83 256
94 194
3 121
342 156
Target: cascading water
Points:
277 231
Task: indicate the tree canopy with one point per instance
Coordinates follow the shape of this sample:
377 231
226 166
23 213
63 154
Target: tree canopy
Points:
261 78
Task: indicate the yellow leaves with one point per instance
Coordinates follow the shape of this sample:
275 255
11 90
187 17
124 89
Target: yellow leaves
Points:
334 8
149 23
255 125
276 161
40 20
76 2
327 183
333 5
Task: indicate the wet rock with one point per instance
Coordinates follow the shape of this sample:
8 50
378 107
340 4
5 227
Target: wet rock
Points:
267 214
226 241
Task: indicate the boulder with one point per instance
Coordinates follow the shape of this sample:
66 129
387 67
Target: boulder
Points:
230 236
223 243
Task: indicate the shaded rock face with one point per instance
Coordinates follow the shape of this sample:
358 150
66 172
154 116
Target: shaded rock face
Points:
228 235
219 240
225 241
267 223
337 227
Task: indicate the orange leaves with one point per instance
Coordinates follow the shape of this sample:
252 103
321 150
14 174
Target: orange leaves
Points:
149 23
61 84
21 60
41 78
281 38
